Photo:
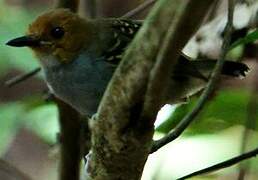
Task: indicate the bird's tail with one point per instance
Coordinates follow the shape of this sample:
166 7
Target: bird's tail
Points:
230 68
202 68
190 76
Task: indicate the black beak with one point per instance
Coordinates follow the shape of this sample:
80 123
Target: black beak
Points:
24 41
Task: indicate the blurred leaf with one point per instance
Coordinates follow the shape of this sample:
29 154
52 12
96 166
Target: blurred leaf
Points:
9 122
249 38
236 53
13 23
192 153
43 121
228 108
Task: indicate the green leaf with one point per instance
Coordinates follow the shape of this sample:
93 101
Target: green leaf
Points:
43 121
228 108
13 23
10 121
251 37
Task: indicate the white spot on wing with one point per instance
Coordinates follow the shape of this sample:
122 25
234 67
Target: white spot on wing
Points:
111 58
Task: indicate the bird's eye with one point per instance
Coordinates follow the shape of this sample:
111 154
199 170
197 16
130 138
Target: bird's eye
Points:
57 32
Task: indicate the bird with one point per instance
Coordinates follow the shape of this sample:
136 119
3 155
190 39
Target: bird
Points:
79 56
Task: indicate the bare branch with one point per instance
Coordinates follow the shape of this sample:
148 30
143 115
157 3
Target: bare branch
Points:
146 4
224 164
185 122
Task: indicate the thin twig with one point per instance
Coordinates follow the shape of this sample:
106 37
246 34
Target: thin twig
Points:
224 164
213 11
184 123
17 79
139 9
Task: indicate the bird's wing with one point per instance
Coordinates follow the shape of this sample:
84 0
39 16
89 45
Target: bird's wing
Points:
123 31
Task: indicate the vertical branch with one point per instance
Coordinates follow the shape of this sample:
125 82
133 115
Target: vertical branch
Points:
70 126
70 139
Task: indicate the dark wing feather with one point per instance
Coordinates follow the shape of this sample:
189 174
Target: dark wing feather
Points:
123 33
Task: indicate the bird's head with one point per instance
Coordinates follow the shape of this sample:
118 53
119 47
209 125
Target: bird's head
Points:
58 33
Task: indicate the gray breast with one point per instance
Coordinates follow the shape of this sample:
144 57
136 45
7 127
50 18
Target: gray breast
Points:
80 83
